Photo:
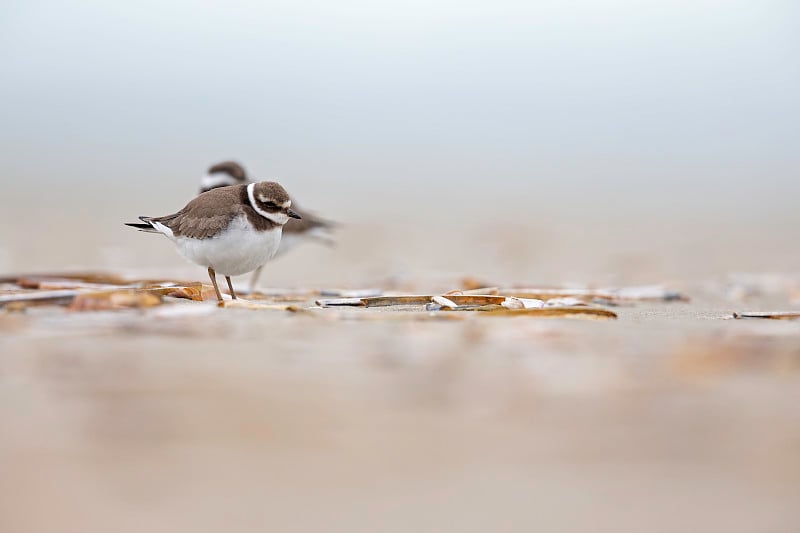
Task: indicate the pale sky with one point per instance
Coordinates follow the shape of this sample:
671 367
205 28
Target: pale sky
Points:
676 98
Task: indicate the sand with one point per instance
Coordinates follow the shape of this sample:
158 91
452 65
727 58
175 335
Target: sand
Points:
670 418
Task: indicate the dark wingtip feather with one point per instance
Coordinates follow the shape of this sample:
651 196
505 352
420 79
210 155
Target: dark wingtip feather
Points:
141 226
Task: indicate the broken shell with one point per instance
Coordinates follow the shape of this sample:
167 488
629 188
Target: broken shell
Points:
522 303
476 300
384 301
105 301
189 293
444 302
338 302
513 303
564 302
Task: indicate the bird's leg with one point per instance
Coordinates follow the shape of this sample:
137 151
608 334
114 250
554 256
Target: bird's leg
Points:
254 279
213 276
230 286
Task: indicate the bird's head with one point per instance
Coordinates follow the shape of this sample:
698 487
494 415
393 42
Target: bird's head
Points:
271 201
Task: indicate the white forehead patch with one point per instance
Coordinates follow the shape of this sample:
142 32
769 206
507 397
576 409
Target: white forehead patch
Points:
287 203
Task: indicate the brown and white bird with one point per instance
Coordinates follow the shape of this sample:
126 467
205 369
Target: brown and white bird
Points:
309 228
229 230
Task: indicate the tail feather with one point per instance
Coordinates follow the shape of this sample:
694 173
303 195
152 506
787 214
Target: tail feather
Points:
142 226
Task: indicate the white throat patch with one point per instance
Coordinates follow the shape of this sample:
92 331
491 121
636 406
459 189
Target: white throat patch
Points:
277 218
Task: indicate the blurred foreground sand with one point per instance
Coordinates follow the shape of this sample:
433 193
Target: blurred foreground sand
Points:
668 419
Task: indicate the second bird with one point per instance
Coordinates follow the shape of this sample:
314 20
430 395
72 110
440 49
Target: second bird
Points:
306 229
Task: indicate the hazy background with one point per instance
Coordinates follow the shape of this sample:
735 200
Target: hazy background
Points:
638 112
598 142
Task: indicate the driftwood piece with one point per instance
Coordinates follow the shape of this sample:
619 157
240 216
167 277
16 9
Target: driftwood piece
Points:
769 315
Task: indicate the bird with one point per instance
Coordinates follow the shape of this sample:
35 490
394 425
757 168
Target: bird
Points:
229 230
307 229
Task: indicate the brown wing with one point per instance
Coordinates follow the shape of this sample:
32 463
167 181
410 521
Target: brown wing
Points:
206 215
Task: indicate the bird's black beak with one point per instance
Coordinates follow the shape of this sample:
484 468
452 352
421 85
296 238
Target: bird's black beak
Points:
293 214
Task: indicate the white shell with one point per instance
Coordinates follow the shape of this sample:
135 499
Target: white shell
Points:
444 302
512 302
567 301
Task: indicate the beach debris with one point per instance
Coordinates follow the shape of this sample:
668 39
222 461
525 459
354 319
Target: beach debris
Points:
583 311
33 281
255 306
92 291
38 298
493 291
568 301
396 300
97 291
340 302
444 302
351 293
605 295
284 296
769 315
512 302
513 306
188 292
602 296
457 299
66 284
477 299
111 300
487 303
372 316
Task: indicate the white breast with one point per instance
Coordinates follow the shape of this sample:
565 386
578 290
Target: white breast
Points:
236 250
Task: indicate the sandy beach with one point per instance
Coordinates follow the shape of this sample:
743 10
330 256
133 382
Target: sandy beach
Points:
564 295
190 417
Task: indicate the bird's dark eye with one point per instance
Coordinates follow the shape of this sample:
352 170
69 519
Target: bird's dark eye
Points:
270 205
